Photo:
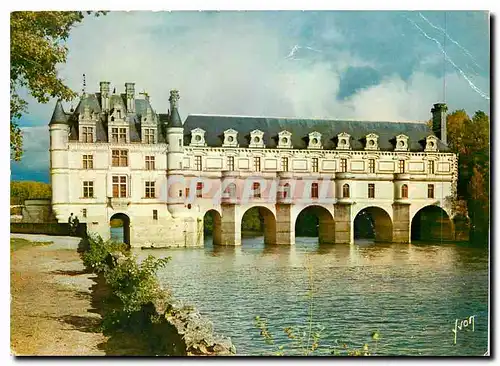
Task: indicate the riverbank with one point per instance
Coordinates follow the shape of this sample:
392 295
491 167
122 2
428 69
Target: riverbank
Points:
56 305
51 305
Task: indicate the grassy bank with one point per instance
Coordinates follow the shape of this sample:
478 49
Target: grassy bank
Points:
18 243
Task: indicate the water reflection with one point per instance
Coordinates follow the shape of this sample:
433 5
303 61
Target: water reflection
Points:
411 293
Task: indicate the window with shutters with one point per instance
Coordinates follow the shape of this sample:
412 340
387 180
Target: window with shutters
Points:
150 189
430 167
150 163
314 190
197 163
315 163
371 166
284 164
199 189
119 186
343 165
88 189
230 163
404 191
401 166
87 134
88 161
345 191
256 163
119 157
430 191
371 190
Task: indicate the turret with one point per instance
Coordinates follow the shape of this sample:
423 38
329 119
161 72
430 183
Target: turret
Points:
130 96
59 130
175 155
439 121
104 89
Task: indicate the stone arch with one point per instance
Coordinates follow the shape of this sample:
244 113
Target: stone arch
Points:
267 222
432 223
122 235
373 222
212 223
325 223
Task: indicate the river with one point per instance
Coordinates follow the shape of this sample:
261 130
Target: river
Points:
412 294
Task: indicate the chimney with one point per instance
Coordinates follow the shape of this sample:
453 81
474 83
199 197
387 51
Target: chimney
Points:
439 121
104 88
130 93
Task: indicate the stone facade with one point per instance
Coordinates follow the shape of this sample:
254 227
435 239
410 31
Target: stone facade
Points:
114 155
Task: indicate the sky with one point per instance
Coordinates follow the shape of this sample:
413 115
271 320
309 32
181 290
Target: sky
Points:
386 66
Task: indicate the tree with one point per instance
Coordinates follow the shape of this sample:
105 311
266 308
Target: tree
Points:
469 138
37 45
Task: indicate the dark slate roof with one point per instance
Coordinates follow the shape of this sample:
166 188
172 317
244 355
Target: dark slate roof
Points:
300 128
175 119
58 116
94 103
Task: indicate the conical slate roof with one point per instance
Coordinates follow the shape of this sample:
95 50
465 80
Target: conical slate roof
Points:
58 117
175 119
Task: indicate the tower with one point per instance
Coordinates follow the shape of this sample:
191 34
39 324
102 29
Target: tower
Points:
59 173
175 154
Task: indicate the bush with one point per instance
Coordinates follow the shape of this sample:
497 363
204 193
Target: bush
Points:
98 252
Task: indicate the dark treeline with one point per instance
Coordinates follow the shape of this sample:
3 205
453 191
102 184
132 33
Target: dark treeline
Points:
23 190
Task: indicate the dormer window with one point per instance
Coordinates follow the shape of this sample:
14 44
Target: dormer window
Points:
256 139
343 141
230 138
401 143
431 143
285 140
149 135
198 137
371 142
314 140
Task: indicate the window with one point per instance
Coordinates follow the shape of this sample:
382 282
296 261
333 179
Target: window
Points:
150 190
401 166
187 192
114 135
430 167
314 190
345 191
150 163
180 192
88 162
122 136
315 165
149 135
155 214
197 163
371 166
199 189
430 191
119 157
84 213
343 165
87 134
284 164
256 163
88 189
404 191
230 163
119 186
371 190
286 190
256 190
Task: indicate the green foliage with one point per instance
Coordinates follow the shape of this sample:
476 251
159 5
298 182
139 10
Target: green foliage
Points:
96 257
252 220
469 138
136 284
37 45
23 190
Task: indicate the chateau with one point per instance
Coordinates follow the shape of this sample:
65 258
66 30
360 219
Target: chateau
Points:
113 156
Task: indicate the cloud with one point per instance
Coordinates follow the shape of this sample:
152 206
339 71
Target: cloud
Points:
235 63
